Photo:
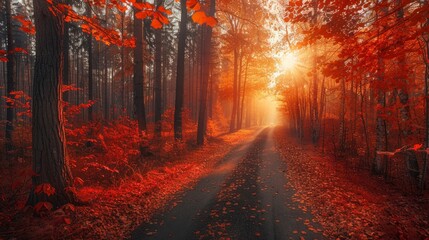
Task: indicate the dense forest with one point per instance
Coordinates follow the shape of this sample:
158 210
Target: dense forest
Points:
102 97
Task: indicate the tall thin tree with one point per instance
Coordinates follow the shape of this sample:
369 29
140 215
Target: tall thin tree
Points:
138 81
202 115
158 77
90 69
180 76
10 83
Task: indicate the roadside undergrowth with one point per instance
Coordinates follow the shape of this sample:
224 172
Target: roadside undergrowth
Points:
114 210
350 204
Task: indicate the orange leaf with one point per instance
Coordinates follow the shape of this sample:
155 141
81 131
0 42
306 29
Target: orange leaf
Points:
211 21
199 17
156 24
163 10
163 19
142 15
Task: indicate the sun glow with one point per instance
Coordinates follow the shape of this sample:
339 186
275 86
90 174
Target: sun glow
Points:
288 62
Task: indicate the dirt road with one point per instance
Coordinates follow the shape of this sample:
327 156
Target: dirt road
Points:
243 198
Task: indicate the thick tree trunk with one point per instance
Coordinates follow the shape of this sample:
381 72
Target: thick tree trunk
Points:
138 80
10 82
202 115
178 111
50 163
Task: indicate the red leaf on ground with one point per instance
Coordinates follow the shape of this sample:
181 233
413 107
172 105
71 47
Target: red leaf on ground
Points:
45 188
43 206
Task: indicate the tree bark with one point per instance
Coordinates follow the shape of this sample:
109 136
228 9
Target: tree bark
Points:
178 111
66 57
342 130
403 90
138 79
202 115
90 74
232 125
10 82
122 89
158 78
314 109
105 94
240 76
50 162
381 123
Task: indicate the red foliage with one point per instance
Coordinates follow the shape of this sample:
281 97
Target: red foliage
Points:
20 101
349 204
43 206
45 188
26 25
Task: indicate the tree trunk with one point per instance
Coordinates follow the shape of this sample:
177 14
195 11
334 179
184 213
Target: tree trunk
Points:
158 78
66 57
342 130
232 125
178 111
381 123
240 74
106 97
50 163
122 89
90 74
404 110
202 116
10 84
240 123
314 109
138 81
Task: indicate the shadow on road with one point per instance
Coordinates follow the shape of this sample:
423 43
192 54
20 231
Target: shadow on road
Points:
244 198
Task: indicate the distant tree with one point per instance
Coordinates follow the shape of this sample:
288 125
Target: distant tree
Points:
90 67
10 83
